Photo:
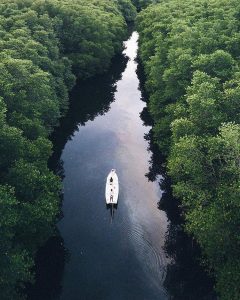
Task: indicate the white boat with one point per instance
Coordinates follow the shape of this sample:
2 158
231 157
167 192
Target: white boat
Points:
112 188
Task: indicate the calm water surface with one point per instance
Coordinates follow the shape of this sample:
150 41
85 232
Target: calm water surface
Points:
121 258
95 257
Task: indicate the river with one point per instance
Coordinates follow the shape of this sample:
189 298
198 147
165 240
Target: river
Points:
120 258
96 256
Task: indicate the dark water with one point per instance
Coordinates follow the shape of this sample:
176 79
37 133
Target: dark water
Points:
138 254
122 258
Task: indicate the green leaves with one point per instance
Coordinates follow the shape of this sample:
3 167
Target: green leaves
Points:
191 59
30 181
41 44
14 259
217 64
89 32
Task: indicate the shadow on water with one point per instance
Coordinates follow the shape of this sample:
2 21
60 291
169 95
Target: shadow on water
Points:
113 209
88 99
50 263
185 279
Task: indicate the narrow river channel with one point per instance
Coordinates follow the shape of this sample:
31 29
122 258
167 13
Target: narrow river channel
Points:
120 258
142 253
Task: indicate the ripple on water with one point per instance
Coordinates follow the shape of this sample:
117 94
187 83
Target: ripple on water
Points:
154 261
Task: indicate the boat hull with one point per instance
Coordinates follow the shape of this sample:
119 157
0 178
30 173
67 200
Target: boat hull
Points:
112 188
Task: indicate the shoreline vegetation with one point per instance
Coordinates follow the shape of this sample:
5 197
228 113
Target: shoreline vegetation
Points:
45 46
190 52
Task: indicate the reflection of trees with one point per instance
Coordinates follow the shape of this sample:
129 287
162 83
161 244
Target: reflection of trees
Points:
88 99
157 167
49 269
186 278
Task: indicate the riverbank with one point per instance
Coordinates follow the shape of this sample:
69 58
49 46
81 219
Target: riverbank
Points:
134 248
192 67
42 44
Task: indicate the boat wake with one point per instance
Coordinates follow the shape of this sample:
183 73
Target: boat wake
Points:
154 263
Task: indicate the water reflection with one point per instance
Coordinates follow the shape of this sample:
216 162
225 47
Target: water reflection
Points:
112 209
125 259
89 99
50 262
185 278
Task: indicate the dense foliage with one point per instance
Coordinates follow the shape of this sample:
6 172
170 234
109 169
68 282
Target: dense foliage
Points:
190 51
140 4
42 43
